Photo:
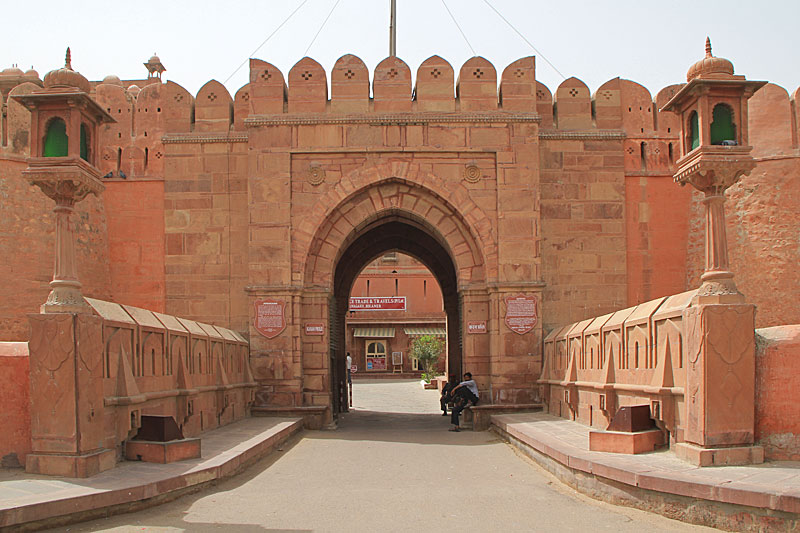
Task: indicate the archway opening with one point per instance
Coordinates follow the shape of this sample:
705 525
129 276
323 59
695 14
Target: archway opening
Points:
400 235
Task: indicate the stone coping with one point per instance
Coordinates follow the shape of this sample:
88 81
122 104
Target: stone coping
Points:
767 487
28 500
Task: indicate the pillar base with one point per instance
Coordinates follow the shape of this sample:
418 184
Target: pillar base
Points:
732 456
624 442
80 466
162 452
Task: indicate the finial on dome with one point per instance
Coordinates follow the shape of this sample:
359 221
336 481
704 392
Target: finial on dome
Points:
68 61
708 47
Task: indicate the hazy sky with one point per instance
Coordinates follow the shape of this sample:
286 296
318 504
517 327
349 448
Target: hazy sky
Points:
653 43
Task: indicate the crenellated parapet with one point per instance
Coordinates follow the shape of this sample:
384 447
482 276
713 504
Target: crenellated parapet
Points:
132 146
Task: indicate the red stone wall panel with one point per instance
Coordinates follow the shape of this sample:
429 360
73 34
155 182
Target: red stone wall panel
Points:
349 85
770 120
213 108
18 121
434 88
544 105
268 91
391 86
608 105
476 87
518 85
15 417
777 386
136 242
573 105
308 87
241 107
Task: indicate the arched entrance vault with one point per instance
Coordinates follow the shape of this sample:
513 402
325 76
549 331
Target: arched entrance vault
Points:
391 214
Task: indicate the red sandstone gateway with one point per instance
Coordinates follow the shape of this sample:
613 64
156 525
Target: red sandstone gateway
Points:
559 235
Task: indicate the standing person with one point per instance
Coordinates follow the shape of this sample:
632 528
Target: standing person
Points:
463 394
349 363
447 393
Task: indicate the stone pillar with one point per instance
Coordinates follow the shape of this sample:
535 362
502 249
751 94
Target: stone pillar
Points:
66 375
65 296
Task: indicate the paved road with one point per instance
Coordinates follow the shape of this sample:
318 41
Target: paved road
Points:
391 466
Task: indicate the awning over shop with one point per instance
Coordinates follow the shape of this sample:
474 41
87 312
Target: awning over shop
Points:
374 333
436 332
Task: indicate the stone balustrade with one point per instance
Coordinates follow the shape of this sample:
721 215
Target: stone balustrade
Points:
94 376
634 356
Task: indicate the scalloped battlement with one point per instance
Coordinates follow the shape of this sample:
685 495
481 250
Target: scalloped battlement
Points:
132 146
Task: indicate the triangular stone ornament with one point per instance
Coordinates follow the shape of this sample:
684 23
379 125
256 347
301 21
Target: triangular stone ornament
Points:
608 370
184 382
248 373
126 383
663 376
222 376
572 368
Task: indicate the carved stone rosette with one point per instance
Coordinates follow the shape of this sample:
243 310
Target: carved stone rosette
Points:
66 181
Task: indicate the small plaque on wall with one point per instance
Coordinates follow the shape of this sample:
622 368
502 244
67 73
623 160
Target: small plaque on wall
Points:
476 327
269 318
521 313
317 329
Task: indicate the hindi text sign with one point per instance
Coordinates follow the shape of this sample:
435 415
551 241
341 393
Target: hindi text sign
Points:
476 327
317 329
521 315
269 319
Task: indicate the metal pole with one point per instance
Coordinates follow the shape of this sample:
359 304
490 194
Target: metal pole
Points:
393 30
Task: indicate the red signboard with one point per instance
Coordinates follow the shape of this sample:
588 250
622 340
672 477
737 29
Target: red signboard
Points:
376 363
269 319
521 314
315 329
377 303
476 327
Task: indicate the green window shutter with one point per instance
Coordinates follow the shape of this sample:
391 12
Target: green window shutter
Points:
722 128
56 142
694 130
84 144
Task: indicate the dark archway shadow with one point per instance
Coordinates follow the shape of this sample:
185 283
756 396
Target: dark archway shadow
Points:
393 233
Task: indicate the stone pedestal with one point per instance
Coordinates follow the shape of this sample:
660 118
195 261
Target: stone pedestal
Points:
720 385
66 375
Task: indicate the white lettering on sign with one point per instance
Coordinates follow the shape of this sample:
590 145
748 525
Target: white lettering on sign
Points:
521 313
476 327
377 303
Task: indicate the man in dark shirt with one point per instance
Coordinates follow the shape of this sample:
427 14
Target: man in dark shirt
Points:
446 390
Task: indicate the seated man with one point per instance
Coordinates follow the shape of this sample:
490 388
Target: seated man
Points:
447 393
463 394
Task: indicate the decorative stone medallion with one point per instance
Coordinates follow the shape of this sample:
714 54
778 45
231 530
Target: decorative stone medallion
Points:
472 173
316 175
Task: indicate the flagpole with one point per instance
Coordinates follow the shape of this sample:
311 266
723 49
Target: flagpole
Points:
393 30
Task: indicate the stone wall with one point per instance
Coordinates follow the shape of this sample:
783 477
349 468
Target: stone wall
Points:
777 386
15 416
127 362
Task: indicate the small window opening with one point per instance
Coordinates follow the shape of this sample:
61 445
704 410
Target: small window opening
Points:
671 154
119 159
723 131
367 287
396 287
56 142
693 131
643 155
84 143
146 157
